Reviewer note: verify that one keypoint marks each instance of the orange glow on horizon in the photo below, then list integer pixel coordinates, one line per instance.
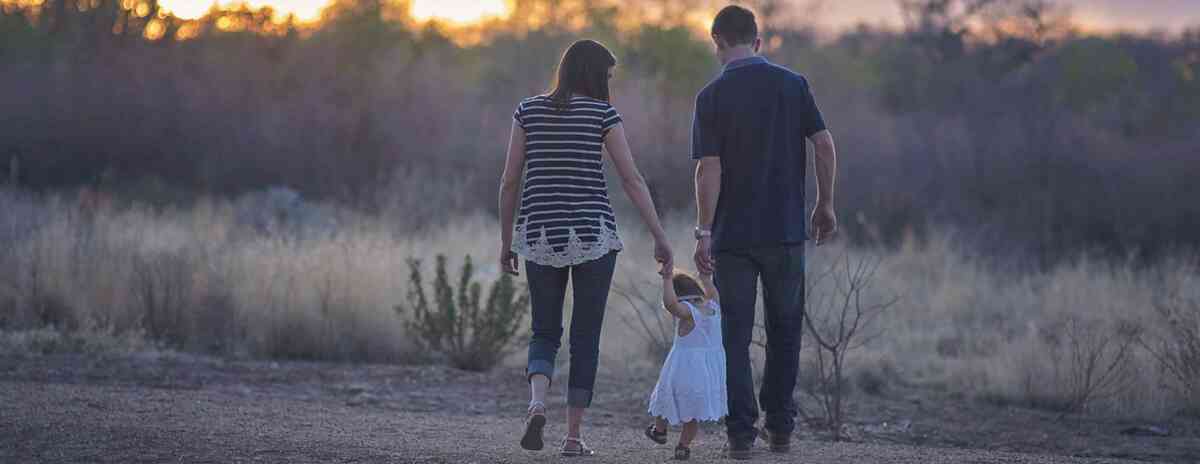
(453, 11)
(458, 11)
(304, 10)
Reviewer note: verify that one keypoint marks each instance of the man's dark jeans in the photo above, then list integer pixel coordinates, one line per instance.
(737, 274)
(547, 289)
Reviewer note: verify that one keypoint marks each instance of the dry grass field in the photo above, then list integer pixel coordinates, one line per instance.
(268, 276)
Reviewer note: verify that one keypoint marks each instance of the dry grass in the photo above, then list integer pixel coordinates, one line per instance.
(208, 279)
(203, 279)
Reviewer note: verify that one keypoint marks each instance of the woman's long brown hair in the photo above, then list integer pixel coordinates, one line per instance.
(583, 70)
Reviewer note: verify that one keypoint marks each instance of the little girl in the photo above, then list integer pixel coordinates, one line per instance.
(691, 385)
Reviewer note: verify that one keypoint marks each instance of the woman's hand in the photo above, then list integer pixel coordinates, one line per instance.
(509, 261)
(664, 256)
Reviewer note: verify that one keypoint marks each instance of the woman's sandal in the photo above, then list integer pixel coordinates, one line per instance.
(583, 450)
(682, 453)
(535, 422)
(655, 435)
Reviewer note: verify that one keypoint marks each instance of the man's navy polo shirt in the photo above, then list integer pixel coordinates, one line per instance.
(756, 116)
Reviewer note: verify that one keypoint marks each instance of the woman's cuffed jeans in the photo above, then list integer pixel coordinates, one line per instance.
(590, 283)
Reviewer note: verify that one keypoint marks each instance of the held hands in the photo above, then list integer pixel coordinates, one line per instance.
(704, 259)
(664, 257)
(824, 224)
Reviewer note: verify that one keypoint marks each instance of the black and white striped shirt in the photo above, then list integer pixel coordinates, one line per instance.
(565, 217)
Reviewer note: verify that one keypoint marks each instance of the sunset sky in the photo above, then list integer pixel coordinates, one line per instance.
(1103, 14)
(1100, 14)
(453, 10)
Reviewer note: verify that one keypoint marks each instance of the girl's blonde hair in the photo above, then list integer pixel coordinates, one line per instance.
(686, 286)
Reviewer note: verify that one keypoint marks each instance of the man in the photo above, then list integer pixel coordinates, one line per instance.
(749, 137)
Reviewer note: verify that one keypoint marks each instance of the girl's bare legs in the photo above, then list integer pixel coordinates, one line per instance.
(689, 432)
(660, 425)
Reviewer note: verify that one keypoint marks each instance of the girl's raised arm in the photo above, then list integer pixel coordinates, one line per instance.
(671, 300)
(710, 288)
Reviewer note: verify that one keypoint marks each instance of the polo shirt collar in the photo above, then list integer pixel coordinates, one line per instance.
(753, 60)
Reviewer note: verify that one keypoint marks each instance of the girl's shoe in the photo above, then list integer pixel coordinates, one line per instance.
(682, 453)
(655, 435)
(535, 422)
(580, 450)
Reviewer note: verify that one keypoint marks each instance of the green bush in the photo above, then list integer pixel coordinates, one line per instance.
(456, 327)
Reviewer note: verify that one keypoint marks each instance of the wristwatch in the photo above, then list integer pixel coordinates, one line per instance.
(702, 233)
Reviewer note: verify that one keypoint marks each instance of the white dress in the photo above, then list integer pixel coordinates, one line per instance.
(691, 385)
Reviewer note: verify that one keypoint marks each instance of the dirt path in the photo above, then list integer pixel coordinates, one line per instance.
(74, 409)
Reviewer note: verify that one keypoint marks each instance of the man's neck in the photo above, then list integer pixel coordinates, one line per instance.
(739, 52)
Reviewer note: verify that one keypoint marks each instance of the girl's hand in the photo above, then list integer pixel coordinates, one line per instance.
(509, 262)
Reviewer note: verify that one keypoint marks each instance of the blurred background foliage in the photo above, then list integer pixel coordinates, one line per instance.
(999, 119)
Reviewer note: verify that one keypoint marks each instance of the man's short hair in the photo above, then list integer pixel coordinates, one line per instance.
(735, 25)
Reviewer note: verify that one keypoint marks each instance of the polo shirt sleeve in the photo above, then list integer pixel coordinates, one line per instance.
(704, 131)
(811, 120)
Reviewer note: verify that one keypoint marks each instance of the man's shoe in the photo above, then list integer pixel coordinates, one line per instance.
(777, 442)
(738, 449)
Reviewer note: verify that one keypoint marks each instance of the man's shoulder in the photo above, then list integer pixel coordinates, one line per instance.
(709, 88)
(789, 74)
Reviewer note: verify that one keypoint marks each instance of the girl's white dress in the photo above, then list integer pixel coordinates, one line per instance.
(691, 385)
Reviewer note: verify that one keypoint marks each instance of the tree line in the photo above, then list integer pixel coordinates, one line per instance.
(998, 119)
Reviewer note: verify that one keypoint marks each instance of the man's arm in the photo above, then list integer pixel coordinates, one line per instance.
(824, 219)
(708, 189)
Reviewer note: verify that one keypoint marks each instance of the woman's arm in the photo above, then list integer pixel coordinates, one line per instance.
(671, 300)
(510, 186)
(710, 288)
(635, 186)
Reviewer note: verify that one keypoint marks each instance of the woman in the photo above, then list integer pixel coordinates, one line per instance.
(566, 228)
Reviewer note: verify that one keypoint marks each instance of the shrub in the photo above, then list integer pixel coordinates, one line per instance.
(1177, 349)
(456, 326)
(162, 288)
(874, 379)
(1088, 360)
(839, 316)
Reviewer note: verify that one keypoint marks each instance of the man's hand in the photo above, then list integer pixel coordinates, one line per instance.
(824, 224)
(704, 259)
